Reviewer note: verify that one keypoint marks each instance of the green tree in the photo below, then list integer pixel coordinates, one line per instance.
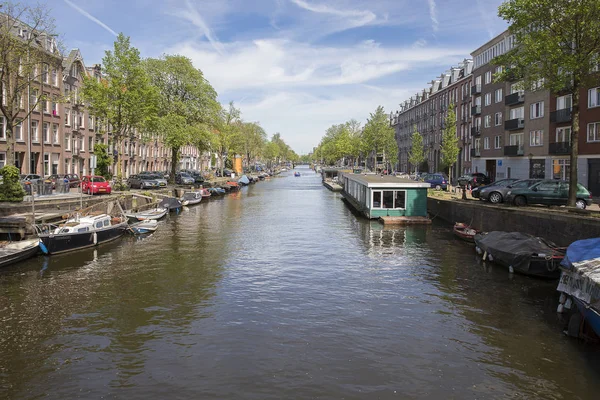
(416, 155)
(226, 128)
(378, 136)
(124, 99)
(187, 104)
(252, 139)
(449, 150)
(27, 51)
(558, 45)
(103, 159)
(10, 187)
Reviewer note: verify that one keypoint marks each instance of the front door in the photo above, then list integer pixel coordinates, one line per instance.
(490, 169)
(594, 177)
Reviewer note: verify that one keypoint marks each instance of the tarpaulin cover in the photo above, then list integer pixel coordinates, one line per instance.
(244, 180)
(513, 248)
(581, 271)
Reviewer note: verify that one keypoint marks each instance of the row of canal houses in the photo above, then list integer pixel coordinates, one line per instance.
(60, 134)
(503, 131)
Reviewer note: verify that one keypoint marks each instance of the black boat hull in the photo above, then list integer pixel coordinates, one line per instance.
(18, 256)
(63, 243)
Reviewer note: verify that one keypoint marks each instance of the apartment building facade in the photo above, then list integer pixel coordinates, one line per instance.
(427, 111)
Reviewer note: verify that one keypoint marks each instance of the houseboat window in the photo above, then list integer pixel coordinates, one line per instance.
(388, 199)
(106, 222)
(86, 229)
(400, 199)
(99, 224)
(376, 199)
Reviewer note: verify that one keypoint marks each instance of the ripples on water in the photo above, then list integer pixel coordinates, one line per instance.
(279, 291)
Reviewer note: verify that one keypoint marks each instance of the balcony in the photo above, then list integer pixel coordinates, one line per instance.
(514, 124)
(475, 153)
(476, 110)
(475, 89)
(515, 98)
(560, 116)
(476, 131)
(513, 150)
(559, 148)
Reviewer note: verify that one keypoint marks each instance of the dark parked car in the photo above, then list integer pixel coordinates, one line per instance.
(496, 192)
(183, 178)
(73, 179)
(549, 192)
(198, 178)
(474, 180)
(438, 180)
(142, 181)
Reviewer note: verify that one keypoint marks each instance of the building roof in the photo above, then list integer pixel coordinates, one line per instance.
(390, 181)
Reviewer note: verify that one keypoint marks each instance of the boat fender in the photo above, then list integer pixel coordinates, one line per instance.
(568, 303)
(95, 236)
(562, 298)
(477, 250)
(490, 257)
(560, 309)
(511, 269)
(484, 255)
(43, 247)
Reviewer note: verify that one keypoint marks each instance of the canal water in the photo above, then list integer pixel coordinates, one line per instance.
(280, 291)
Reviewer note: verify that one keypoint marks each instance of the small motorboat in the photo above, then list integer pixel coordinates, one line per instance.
(296, 173)
(207, 192)
(154, 214)
(215, 191)
(144, 227)
(13, 252)
(244, 180)
(191, 198)
(171, 204)
(520, 252)
(232, 185)
(465, 232)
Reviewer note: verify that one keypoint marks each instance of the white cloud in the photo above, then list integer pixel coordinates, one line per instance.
(433, 15)
(191, 14)
(90, 17)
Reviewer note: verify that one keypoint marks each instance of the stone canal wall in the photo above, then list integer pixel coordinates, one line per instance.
(560, 226)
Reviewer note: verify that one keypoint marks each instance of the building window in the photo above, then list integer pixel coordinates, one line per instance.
(497, 142)
(488, 77)
(46, 104)
(34, 131)
(536, 138)
(33, 98)
(46, 132)
(68, 117)
(498, 119)
(2, 159)
(537, 110)
(19, 131)
(54, 77)
(487, 121)
(68, 142)
(594, 97)
(498, 95)
(55, 133)
(518, 112)
(488, 99)
(2, 128)
(563, 135)
(564, 102)
(389, 199)
(593, 132)
(486, 143)
(91, 144)
(516, 139)
(499, 70)
(45, 73)
(561, 168)
(537, 169)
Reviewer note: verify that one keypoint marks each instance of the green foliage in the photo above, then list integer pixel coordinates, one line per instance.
(449, 150)
(103, 160)
(557, 44)
(416, 156)
(10, 188)
(378, 136)
(124, 98)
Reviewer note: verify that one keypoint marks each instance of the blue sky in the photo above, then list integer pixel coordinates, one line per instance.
(295, 66)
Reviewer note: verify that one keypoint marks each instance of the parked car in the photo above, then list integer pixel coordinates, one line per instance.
(549, 192)
(95, 185)
(142, 181)
(198, 178)
(183, 178)
(162, 182)
(73, 179)
(29, 178)
(496, 192)
(474, 180)
(437, 180)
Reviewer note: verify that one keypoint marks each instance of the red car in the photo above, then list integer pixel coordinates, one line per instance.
(95, 185)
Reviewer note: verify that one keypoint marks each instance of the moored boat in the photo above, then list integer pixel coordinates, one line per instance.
(13, 252)
(522, 253)
(580, 286)
(207, 192)
(296, 173)
(465, 232)
(80, 232)
(171, 204)
(154, 214)
(143, 227)
(192, 198)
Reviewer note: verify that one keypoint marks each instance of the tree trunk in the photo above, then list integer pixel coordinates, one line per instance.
(174, 162)
(574, 147)
(10, 143)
